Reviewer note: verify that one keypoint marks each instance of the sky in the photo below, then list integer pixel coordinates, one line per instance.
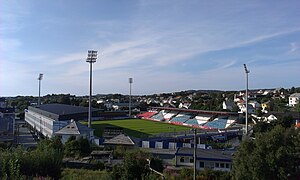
(164, 45)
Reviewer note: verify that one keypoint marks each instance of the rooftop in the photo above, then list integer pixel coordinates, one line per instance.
(64, 109)
(74, 128)
(206, 153)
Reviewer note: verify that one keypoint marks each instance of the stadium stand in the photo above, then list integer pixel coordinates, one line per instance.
(217, 123)
(169, 115)
(202, 118)
(146, 114)
(181, 118)
(192, 122)
(158, 117)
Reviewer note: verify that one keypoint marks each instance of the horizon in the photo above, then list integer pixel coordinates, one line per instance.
(96, 94)
(165, 46)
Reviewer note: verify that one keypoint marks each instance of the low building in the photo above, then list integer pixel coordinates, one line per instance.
(294, 99)
(50, 118)
(75, 129)
(7, 124)
(206, 159)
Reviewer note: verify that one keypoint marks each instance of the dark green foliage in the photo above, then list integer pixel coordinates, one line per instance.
(84, 174)
(135, 164)
(45, 161)
(157, 164)
(77, 148)
(272, 155)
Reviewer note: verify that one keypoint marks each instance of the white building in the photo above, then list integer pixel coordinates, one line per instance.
(294, 99)
(50, 118)
(76, 130)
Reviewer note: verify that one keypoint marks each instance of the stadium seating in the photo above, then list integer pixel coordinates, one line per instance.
(217, 123)
(169, 115)
(159, 116)
(202, 119)
(181, 117)
(146, 114)
(192, 122)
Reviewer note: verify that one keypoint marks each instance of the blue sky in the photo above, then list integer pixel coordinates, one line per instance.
(164, 45)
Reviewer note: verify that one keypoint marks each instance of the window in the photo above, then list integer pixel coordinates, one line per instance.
(191, 160)
(217, 165)
(201, 164)
(182, 159)
(227, 165)
(222, 165)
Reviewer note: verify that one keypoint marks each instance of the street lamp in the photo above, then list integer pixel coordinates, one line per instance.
(92, 56)
(247, 72)
(40, 79)
(130, 82)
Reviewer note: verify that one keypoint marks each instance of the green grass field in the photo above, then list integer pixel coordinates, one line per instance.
(137, 127)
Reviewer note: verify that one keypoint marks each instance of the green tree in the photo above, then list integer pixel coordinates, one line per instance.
(272, 155)
(135, 164)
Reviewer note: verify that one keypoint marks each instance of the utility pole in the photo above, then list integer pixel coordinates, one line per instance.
(247, 72)
(92, 56)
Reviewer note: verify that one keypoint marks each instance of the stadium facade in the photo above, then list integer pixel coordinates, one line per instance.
(50, 118)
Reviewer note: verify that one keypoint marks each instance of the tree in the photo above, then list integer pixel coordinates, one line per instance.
(272, 155)
(135, 164)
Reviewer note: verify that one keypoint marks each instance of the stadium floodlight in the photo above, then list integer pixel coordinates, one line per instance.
(247, 72)
(40, 79)
(92, 56)
(130, 82)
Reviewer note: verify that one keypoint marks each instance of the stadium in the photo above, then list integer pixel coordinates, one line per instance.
(192, 118)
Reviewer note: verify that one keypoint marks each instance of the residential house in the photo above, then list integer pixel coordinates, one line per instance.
(294, 99)
(228, 105)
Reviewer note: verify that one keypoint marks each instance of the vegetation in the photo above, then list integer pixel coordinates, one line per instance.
(45, 161)
(80, 174)
(273, 154)
(137, 127)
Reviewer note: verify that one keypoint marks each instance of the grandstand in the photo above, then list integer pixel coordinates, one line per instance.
(158, 116)
(181, 117)
(169, 115)
(194, 118)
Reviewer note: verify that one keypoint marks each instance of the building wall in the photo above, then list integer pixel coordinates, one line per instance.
(43, 124)
(203, 164)
(293, 101)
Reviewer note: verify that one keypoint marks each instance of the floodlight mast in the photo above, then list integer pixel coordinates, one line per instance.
(247, 72)
(130, 82)
(40, 79)
(92, 57)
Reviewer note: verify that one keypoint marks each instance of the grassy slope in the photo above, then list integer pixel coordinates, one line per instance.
(137, 127)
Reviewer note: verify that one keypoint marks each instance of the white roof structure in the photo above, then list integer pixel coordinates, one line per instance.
(74, 128)
(120, 139)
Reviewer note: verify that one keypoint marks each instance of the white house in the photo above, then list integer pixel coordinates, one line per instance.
(294, 99)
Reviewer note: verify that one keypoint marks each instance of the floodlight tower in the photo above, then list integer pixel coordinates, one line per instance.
(130, 82)
(247, 72)
(40, 79)
(92, 56)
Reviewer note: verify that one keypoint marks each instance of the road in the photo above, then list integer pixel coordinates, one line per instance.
(25, 138)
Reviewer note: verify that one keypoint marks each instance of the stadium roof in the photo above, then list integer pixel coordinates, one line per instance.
(196, 111)
(64, 109)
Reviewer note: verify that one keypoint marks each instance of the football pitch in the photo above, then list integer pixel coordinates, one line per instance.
(137, 127)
